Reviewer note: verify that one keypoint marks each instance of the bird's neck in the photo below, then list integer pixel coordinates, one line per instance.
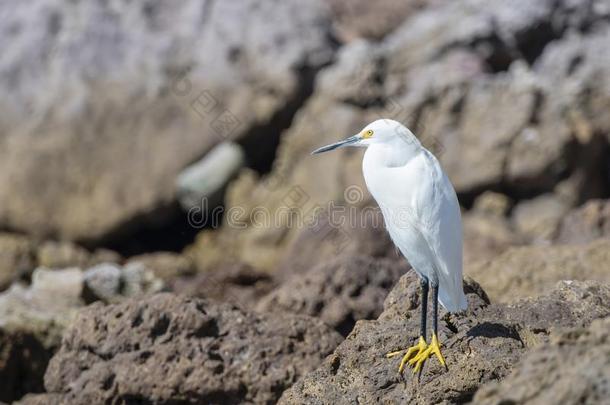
(393, 154)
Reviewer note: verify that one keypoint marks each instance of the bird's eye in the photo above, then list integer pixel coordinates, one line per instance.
(367, 134)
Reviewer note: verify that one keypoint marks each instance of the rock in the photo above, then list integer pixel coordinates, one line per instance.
(481, 83)
(539, 218)
(110, 282)
(587, 223)
(138, 280)
(574, 368)
(151, 88)
(486, 236)
(480, 345)
(64, 254)
(32, 321)
(194, 351)
(533, 270)
(103, 282)
(354, 19)
(16, 258)
(237, 284)
(492, 203)
(166, 265)
(201, 184)
(339, 292)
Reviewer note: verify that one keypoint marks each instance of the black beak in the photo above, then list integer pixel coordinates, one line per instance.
(340, 144)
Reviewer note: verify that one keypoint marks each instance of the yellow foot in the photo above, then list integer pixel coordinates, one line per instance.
(412, 353)
(422, 356)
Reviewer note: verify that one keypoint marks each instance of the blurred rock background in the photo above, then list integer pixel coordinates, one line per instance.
(152, 146)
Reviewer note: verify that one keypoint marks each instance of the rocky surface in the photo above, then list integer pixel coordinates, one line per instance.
(339, 292)
(204, 182)
(213, 70)
(166, 265)
(194, 351)
(529, 271)
(480, 345)
(574, 368)
(33, 318)
(16, 258)
(353, 19)
(538, 219)
(235, 284)
(32, 321)
(587, 223)
(500, 92)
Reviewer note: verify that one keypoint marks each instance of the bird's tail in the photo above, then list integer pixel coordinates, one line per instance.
(453, 299)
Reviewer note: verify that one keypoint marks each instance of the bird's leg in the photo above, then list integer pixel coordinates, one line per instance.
(434, 347)
(414, 351)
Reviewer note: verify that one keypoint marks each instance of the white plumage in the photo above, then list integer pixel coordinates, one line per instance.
(418, 202)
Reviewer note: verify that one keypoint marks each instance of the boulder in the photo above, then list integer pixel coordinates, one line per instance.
(353, 19)
(32, 321)
(63, 254)
(236, 284)
(339, 292)
(539, 218)
(480, 345)
(166, 265)
(526, 271)
(131, 93)
(573, 368)
(16, 258)
(200, 185)
(193, 351)
(110, 282)
(586, 223)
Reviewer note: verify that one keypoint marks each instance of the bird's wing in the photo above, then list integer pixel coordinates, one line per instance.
(438, 212)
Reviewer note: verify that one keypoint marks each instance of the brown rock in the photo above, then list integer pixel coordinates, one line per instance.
(480, 345)
(64, 254)
(574, 368)
(360, 18)
(486, 236)
(587, 223)
(166, 265)
(236, 284)
(539, 218)
(193, 351)
(143, 80)
(339, 292)
(533, 270)
(16, 258)
(32, 321)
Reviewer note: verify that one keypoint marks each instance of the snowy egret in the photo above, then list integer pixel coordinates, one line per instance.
(422, 216)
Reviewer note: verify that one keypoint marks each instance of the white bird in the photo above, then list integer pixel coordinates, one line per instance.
(422, 216)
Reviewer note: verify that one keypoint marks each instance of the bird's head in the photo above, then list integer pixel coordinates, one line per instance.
(382, 131)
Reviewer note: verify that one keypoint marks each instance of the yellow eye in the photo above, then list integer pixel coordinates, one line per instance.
(367, 134)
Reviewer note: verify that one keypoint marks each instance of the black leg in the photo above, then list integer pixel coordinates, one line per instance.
(424, 305)
(435, 309)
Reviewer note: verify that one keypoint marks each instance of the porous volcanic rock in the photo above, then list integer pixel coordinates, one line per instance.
(174, 349)
(526, 271)
(339, 292)
(573, 368)
(480, 345)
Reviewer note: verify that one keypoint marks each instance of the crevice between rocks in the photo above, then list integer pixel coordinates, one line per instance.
(167, 227)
